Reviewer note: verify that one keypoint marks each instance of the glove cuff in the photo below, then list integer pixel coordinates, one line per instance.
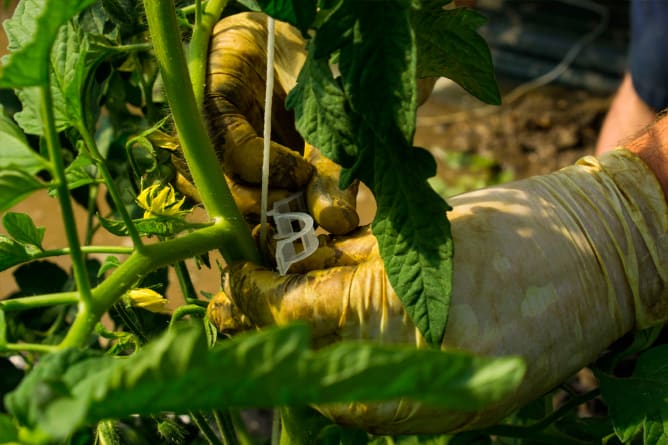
(640, 206)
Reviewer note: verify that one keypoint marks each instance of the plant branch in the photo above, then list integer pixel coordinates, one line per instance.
(199, 153)
(25, 303)
(53, 147)
(134, 268)
(111, 185)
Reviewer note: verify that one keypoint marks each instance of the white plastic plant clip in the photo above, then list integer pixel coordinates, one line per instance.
(296, 236)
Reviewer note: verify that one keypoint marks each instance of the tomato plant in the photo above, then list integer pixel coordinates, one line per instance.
(91, 124)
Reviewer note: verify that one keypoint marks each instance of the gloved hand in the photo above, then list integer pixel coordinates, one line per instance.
(234, 110)
(553, 268)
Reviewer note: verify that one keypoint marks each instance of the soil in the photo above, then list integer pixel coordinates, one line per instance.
(537, 133)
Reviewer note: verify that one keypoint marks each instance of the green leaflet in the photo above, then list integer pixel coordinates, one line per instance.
(70, 59)
(321, 113)
(299, 13)
(177, 372)
(8, 432)
(449, 46)
(365, 121)
(414, 238)
(12, 253)
(15, 151)
(31, 32)
(160, 226)
(378, 66)
(15, 185)
(638, 403)
(21, 227)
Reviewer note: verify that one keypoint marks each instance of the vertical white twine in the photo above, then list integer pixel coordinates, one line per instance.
(268, 94)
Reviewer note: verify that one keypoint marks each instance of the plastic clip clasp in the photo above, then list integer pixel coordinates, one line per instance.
(296, 237)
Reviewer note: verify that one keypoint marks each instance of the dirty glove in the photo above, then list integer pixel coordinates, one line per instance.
(552, 268)
(234, 110)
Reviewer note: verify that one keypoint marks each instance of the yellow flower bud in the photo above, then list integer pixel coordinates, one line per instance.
(147, 299)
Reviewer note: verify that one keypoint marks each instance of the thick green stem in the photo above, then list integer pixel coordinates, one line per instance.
(94, 153)
(53, 147)
(134, 268)
(199, 46)
(199, 153)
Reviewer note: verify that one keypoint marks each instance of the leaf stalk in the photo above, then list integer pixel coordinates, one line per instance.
(58, 167)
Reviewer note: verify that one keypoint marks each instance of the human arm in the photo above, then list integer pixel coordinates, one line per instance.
(553, 268)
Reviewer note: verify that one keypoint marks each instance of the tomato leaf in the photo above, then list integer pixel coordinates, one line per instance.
(378, 69)
(638, 403)
(178, 372)
(12, 253)
(21, 227)
(16, 152)
(71, 61)
(414, 238)
(321, 114)
(449, 46)
(15, 185)
(299, 13)
(365, 121)
(8, 431)
(161, 226)
(31, 32)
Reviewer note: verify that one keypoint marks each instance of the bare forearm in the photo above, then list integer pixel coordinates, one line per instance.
(651, 145)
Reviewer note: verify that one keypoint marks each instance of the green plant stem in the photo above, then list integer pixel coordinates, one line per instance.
(32, 347)
(25, 303)
(94, 153)
(78, 261)
(118, 250)
(226, 426)
(186, 285)
(199, 45)
(199, 153)
(205, 429)
(134, 268)
(183, 311)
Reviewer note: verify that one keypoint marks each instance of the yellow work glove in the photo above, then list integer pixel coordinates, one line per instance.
(553, 268)
(234, 110)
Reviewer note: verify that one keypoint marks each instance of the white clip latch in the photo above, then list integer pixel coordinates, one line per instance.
(296, 237)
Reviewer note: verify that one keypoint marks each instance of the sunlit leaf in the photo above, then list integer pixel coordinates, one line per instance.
(11, 253)
(637, 404)
(177, 372)
(449, 46)
(31, 32)
(21, 227)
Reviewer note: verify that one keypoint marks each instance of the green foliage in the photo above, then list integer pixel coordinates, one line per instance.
(21, 227)
(177, 372)
(381, 48)
(637, 404)
(87, 55)
(32, 31)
